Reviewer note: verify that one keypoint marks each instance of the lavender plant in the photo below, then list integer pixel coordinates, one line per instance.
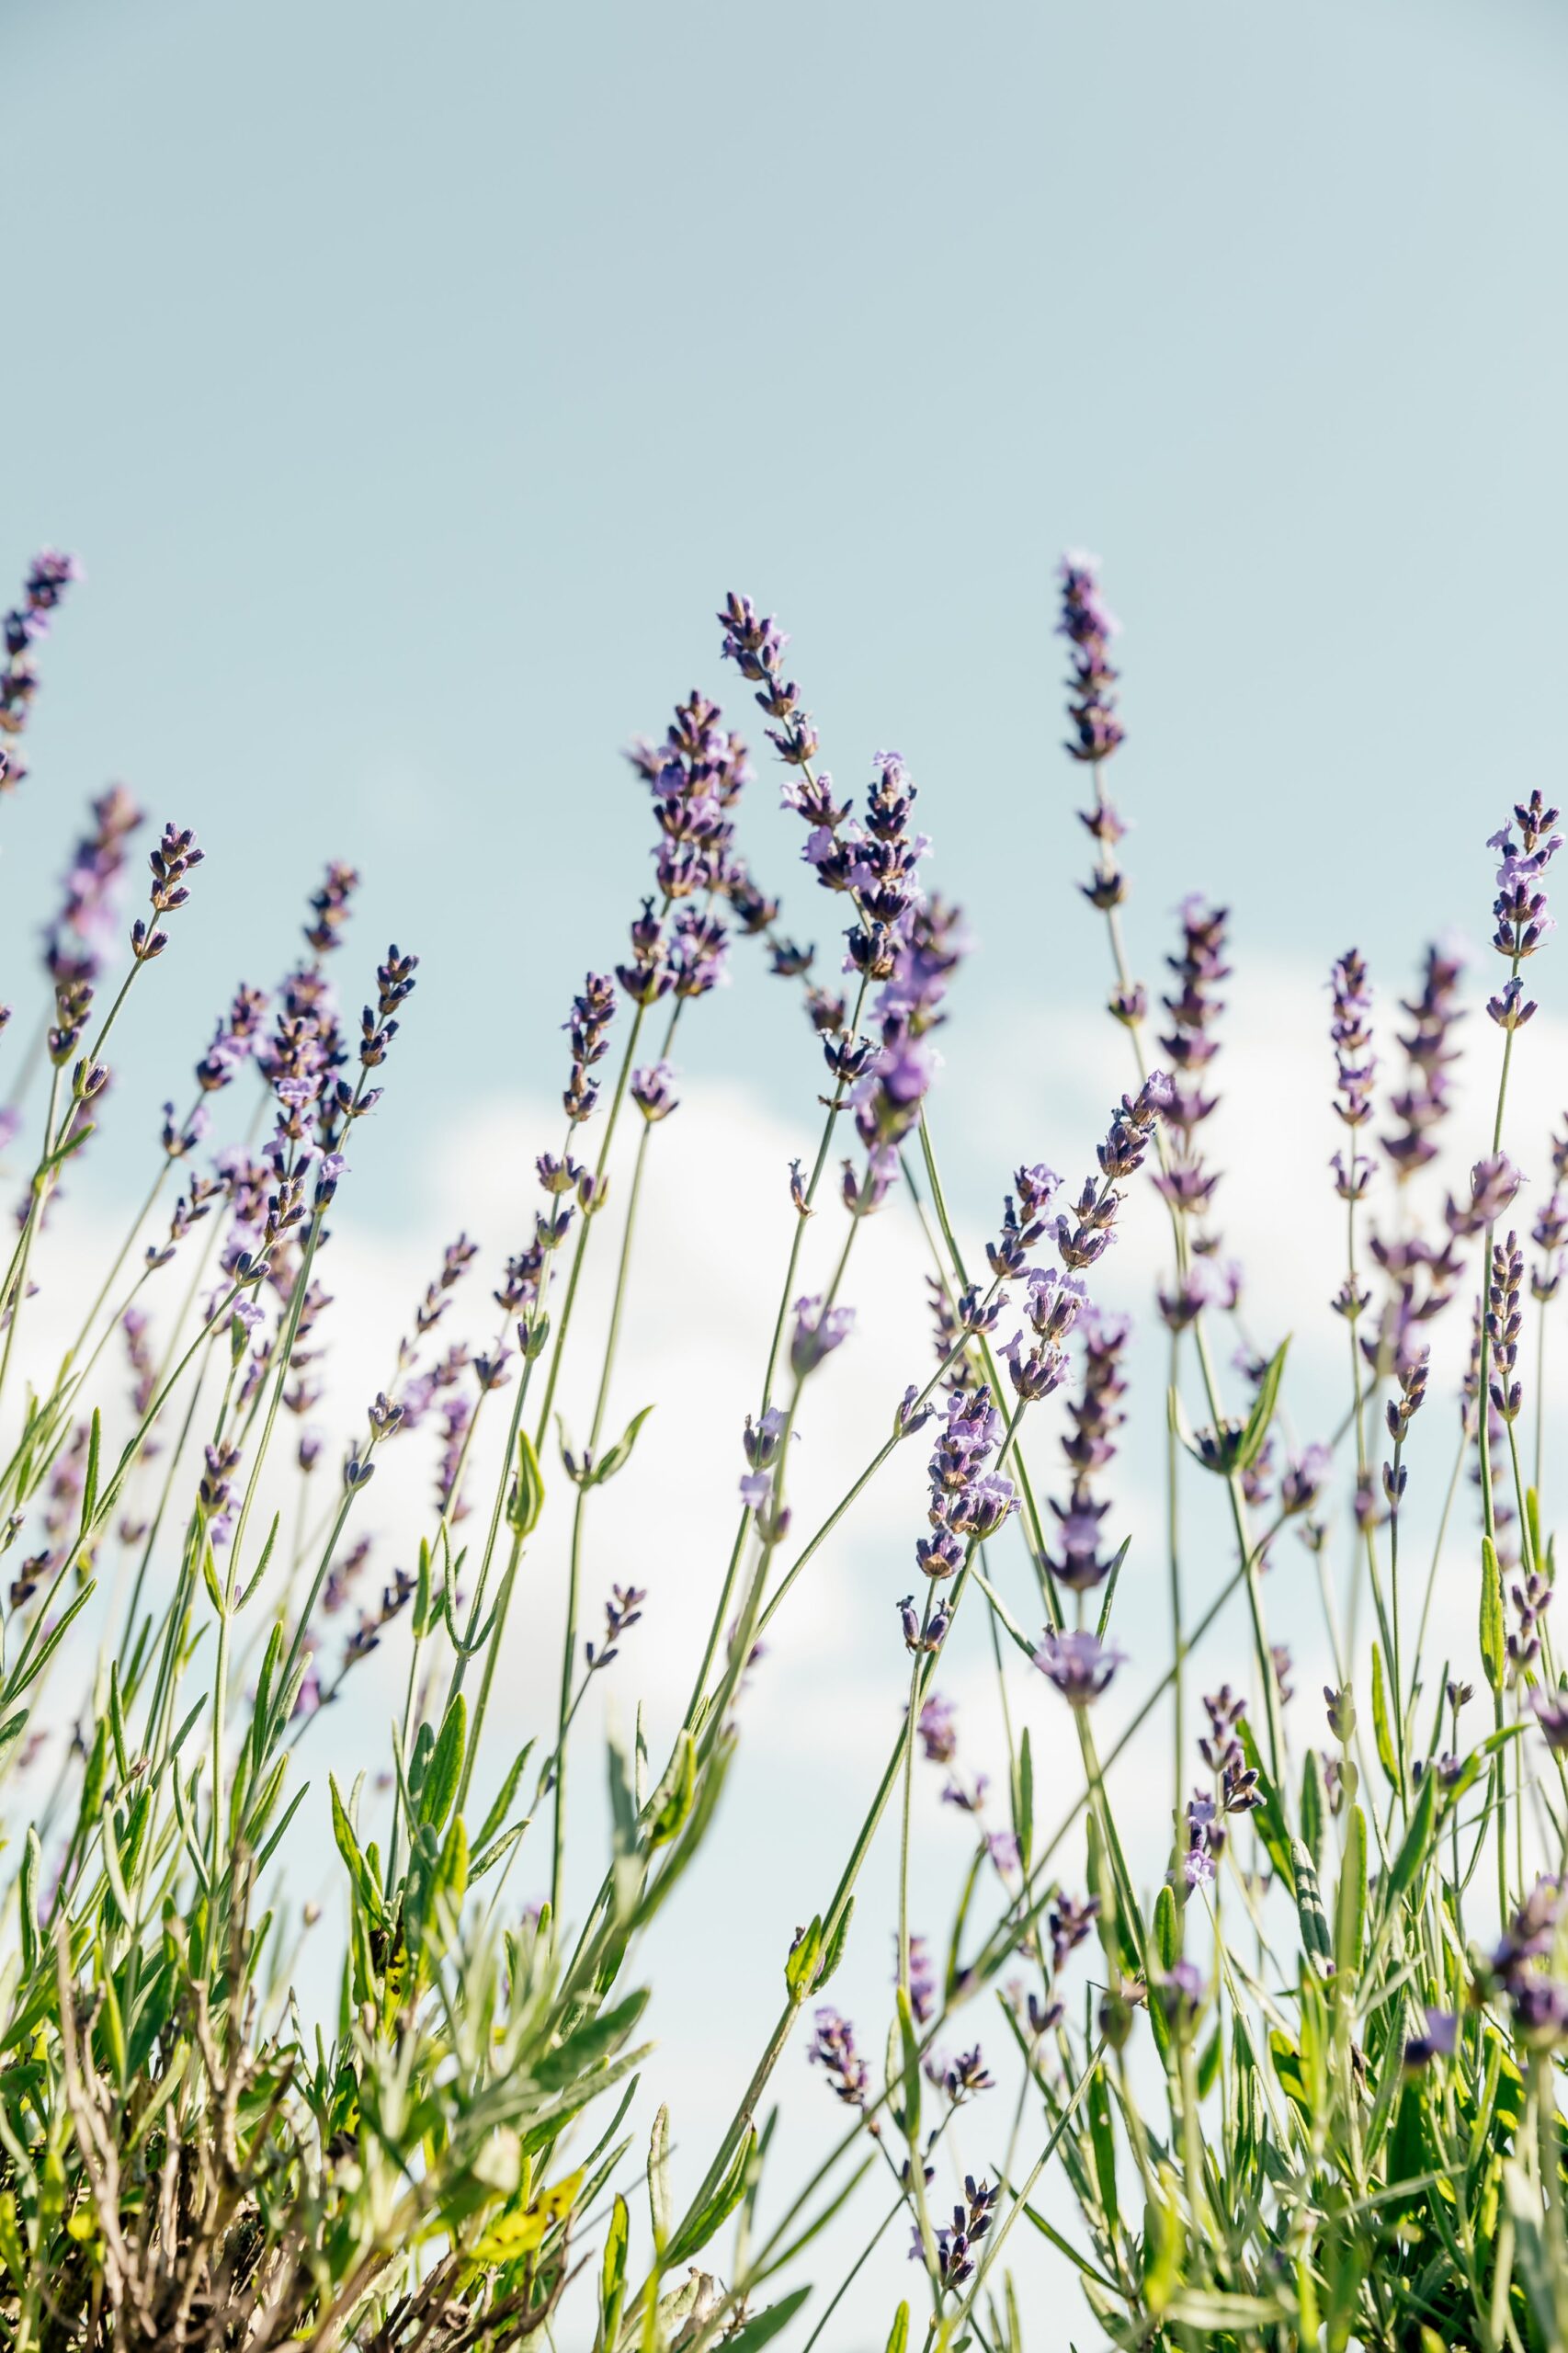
(1285, 2072)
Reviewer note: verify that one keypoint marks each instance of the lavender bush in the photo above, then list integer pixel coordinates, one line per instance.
(1301, 2088)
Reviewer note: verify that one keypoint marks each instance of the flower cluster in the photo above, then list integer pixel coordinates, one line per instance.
(1504, 1321)
(1505, 1516)
(1089, 1446)
(1531, 1596)
(1088, 1231)
(1423, 1100)
(756, 643)
(1521, 1964)
(623, 1610)
(833, 2049)
(893, 1072)
(1350, 1034)
(1190, 1045)
(593, 1009)
(49, 576)
(696, 776)
(1519, 908)
(1549, 1231)
(1089, 627)
(956, 2243)
(85, 925)
(1235, 1787)
(969, 1499)
(173, 859)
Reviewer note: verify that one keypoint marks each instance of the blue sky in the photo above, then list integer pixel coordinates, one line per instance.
(414, 385)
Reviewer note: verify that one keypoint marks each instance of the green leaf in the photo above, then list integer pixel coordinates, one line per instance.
(262, 1566)
(1255, 1430)
(1209, 2064)
(492, 1825)
(694, 2235)
(90, 1479)
(1350, 1907)
(800, 1968)
(420, 1620)
(615, 1458)
(1309, 1907)
(12, 1730)
(1103, 2142)
(115, 1873)
(1023, 1798)
(1381, 1729)
(1419, 1837)
(117, 1725)
(32, 1871)
(1166, 1929)
(898, 2338)
(764, 2326)
(909, 2045)
(612, 2274)
(209, 1579)
(50, 1644)
(671, 1801)
(659, 2179)
(349, 1847)
(589, 2043)
(833, 1950)
(439, 1785)
(488, 1856)
(1494, 1643)
(1163, 2241)
(526, 1499)
(1314, 1811)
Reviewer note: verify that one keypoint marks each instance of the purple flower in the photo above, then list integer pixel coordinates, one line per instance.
(1034, 1374)
(761, 1439)
(592, 1011)
(1521, 904)
(48, 576)
(1422, 1101)
(1504, 1321)
(921, 1981)
(652, 1091)
(1181, 1992)
(911, 1415)
(1069, 1924)
(1096, 1415)
(818, 1331)
(77, 940)
(1552, 1714)
(623, 1610)
(1002, 1846)
(1493, 1185)
(1350, 1034)
(1055, 1301)
(917, 1637)
(1080, 1665)
(979, 1509)
(1088, 628)
(833, 2049)
(937, 1733)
